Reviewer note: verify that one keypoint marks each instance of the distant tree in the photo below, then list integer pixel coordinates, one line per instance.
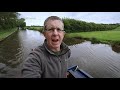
(21, 23)
(10, 20)
(72, 25)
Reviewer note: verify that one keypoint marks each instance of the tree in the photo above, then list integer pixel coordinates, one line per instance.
(21, 23)
(10, 20)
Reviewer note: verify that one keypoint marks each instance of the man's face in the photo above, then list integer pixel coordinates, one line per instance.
(53, 33)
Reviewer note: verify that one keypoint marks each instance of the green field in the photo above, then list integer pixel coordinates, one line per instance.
(102, 36)
(38, 28)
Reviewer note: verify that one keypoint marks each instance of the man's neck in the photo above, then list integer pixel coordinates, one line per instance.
(55, 49)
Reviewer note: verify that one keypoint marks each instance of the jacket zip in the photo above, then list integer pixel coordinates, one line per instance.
(60, 69)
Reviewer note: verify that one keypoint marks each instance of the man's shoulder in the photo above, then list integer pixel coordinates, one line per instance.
(39, 50)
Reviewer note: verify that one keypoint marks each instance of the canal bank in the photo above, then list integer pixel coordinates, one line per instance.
(105, 37)
(4, 35)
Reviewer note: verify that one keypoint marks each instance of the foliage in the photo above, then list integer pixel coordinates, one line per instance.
(72, 25)
(10, 20)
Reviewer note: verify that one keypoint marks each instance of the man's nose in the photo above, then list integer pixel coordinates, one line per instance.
(55, 32)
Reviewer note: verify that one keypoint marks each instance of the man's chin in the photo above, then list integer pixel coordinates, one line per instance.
(56, 46)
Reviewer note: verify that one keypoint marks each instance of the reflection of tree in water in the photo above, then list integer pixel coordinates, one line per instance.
(73, 41)
(116, 48)
(9, 51)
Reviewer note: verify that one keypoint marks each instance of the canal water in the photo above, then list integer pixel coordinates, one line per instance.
(99, 60)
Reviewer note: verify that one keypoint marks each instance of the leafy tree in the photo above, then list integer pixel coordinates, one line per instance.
(10, 20)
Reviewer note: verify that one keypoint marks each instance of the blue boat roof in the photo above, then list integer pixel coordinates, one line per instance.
(78, 73)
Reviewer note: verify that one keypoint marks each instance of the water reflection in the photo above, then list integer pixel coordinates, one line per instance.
(29, 40)
(97, 59)
(77, 40)
(8, 50)
(116, 48)
(15, 49)
(73, 41)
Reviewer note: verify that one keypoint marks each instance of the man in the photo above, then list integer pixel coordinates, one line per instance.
(49, 59)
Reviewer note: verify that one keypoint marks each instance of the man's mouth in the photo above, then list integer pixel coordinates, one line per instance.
(55, 40)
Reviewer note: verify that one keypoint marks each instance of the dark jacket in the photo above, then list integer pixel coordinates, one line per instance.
(43, 63)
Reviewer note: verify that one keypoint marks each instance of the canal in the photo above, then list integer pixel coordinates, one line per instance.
(99, 60)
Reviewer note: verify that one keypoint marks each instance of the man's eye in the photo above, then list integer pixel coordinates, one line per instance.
(59, 29)
(50, 29)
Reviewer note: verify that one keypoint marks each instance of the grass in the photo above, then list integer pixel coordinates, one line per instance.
(38, 28)
(101, 35)
(112, 36)
(6, 33)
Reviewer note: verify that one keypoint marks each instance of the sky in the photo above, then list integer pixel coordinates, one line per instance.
(37, 18)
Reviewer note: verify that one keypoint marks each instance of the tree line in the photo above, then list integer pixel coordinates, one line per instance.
(10, 20)
(72, 25)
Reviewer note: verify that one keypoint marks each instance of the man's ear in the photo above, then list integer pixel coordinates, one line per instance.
(43, 33)
(64, 32)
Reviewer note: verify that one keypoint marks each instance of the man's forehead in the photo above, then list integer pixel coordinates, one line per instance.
(54, 23)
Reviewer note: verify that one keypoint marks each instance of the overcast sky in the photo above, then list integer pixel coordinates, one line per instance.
(37, 18)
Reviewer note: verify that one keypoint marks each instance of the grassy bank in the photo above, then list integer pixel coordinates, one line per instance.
(6, 33)
(109, 37)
